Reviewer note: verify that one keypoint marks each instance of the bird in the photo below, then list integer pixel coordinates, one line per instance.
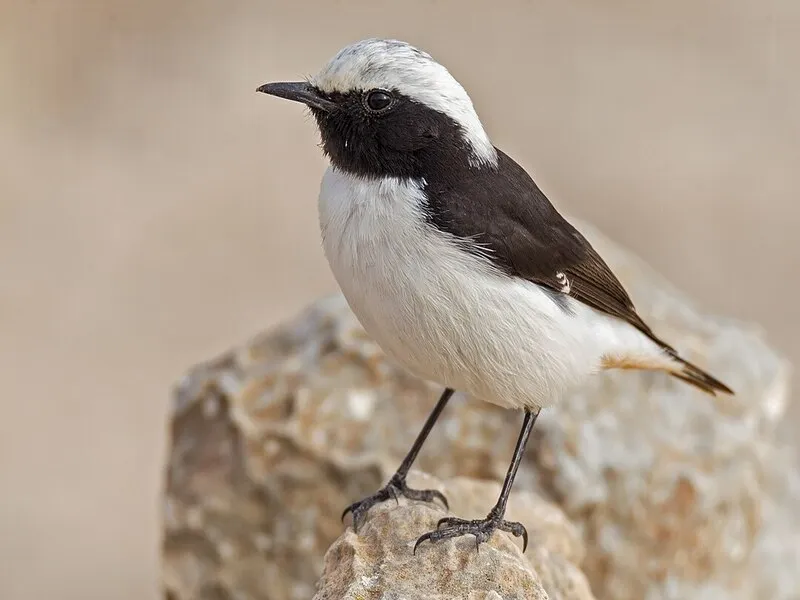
(455, 262)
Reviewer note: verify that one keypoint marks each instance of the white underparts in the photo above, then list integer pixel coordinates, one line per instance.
(448, 315)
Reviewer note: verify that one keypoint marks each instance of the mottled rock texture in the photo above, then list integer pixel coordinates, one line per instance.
(673, 494)
(378, 562)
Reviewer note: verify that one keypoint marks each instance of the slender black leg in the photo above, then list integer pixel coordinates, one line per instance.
(482, 529)
(397, 484)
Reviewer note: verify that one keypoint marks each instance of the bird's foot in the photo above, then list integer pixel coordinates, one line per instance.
(394, 489)
(482, 529)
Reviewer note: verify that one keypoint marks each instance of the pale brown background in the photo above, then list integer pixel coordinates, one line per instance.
(154, 209)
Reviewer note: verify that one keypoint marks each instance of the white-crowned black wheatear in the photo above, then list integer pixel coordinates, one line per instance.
(453, 259)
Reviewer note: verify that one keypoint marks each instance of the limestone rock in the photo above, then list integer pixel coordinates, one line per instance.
(271, 441)
(378, 562)
(675, 494)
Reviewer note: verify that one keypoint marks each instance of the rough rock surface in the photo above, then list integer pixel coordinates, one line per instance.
(378, 562)
(675, 494)
(678, 495)
(271, 441)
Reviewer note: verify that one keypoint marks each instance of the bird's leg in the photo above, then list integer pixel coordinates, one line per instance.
(482, 529)
(397, 484)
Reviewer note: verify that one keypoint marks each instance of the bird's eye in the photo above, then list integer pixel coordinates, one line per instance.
(378, 100)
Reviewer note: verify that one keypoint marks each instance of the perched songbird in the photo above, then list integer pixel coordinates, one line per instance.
(453, 259)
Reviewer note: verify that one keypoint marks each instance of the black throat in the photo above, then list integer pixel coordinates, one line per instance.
(412, 141)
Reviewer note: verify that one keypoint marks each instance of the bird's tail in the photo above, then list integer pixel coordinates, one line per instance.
(695, 376)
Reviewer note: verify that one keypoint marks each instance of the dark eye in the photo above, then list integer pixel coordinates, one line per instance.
(378, 100)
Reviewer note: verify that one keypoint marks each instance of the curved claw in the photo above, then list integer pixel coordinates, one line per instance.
(423, 495)
(420, 539)
(518, 529)
(442, 499)
(481, 529)
(394, 489)
(345, 511)
(354, 510)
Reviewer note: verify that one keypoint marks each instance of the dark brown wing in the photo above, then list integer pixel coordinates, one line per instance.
(513, 224)
(519, 230)
(574, 269)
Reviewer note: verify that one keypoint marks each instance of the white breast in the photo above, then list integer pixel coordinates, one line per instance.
(446, 315)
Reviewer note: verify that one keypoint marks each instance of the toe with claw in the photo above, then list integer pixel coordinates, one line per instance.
(482, 529)
(396, 487)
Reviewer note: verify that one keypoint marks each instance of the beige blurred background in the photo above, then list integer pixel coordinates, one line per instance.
(155, 210)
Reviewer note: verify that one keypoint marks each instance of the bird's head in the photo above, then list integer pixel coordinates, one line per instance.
(385, 108)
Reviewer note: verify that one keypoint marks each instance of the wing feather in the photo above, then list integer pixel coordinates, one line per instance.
(515, 226)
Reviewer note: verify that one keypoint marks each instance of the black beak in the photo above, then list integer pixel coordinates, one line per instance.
(299, 91)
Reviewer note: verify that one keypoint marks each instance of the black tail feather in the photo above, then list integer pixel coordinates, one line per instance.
(697, 377)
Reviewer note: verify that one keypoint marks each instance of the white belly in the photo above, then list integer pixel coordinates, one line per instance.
(445, 315)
